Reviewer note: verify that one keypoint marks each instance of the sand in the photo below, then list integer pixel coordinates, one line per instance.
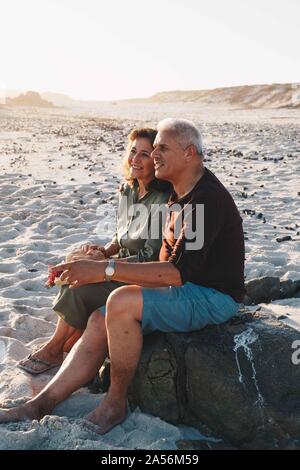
(59, 170)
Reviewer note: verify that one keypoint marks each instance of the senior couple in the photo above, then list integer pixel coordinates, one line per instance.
(168, 285)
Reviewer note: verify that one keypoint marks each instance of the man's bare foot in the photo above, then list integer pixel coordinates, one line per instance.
(28, 411)
(107, 415)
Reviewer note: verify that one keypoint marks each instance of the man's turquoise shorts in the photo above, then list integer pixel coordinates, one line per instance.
(184, 308)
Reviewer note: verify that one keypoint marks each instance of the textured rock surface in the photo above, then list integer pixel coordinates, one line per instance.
(236, 379)
(267, 288)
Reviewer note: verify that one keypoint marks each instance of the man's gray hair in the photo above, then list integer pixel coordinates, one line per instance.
(185, 131)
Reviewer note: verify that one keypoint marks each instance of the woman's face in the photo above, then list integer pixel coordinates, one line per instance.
(140, 161)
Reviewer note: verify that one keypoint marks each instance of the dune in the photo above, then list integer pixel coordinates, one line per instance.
(248, 96)
(30, 98)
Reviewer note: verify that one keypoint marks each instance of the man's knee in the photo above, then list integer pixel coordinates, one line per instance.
(123, 302)
(117, 300)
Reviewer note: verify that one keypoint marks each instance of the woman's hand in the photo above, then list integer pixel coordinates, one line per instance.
(87, 251)
(96, 255)
(79, 273)
(85, 248)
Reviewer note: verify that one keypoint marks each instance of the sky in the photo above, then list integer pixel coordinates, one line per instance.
(118, 49)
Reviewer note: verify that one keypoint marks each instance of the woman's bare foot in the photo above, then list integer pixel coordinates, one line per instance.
(107, 415)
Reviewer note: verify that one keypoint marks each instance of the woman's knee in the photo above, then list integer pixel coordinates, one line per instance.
(96, 320)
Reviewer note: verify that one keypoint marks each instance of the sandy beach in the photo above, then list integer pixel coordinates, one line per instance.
(59, 172)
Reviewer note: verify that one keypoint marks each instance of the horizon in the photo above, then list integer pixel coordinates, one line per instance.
(93, 51)
(42, 92)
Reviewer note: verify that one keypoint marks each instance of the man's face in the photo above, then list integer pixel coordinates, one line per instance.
(168, 156)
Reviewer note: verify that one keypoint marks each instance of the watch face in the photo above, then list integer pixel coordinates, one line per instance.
(109, 271)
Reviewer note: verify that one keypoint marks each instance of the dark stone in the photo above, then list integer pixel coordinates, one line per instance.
(186, 444)
(297, 284)
(263, 289)
(283, 239)
(247, 300)
(249, 211)
(236, 380)
(288, 288)
(156, 378)
(94, 386)
(104, 376)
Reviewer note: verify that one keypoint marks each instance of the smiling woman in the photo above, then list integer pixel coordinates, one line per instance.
(138, 164)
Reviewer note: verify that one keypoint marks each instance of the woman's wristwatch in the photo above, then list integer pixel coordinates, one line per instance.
(109, 270)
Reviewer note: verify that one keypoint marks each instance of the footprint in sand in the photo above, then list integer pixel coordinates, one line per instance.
(8, 268)
(2, 350)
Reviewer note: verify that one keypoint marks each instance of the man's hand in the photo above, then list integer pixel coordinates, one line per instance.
(79, 273)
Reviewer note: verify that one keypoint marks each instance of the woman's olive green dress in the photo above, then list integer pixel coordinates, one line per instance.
(75, 306)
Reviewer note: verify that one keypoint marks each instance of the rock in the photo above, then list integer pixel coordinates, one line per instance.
(263, 289)
(156, 379)
(247, 300)
(94, 386)
(104, 376)
(236, 380)
(120, 147)
(283, 239)
(185, 444)
(288, 288)
(30, 98)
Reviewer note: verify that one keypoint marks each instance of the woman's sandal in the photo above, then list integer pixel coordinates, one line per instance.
(47, 365)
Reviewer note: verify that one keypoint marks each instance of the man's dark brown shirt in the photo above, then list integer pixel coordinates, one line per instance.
(220, 262)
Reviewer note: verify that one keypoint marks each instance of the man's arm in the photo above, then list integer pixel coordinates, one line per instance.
(152, 274)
